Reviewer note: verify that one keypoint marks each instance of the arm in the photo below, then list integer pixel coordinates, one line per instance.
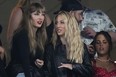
(21, 44)
(14, 22)
(113, 36)
(47, 60)
(84, 69)
(109, 27)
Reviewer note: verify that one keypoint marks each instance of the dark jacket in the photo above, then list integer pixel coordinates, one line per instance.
(2, 69)
(54, 57)
(2, 64)
(22, 60)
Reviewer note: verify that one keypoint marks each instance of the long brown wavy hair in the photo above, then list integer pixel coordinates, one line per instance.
(38, 39)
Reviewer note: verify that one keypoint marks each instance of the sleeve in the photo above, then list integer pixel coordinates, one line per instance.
(2, 69)
(84, 69)
(47, 61)
(22, 44)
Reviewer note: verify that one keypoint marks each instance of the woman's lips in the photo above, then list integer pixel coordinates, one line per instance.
(39, 22)
(58, 30)
(101, 48)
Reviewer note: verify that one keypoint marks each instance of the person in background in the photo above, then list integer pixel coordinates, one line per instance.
(66, 55)
(2, 58)
(28, 44)
(16, 18)
(103, 65)
(90, 21)
(95, 21)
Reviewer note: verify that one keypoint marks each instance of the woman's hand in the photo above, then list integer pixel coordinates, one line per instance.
(89, 32)
(69, 66)
(91, 49)
(2, 52)
(39, 63)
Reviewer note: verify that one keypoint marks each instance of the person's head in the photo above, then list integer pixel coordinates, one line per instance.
(102, 43)
(36, 25)
(66, 27)
(74, 7)
(36, 15)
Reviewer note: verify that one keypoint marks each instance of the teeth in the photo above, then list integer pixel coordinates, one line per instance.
(39, 22)
(59, 30)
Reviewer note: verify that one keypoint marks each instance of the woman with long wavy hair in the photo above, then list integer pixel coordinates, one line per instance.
(66, 56)
(17, 17)
(28, 44)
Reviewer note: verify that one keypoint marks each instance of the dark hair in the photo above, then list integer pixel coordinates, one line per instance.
(106, 35)
(70, 5)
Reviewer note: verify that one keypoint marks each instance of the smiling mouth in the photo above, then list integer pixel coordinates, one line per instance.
(58, 30)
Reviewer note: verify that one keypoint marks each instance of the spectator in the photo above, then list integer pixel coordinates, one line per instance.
(28, 44)
(67, 55)
(103, 65)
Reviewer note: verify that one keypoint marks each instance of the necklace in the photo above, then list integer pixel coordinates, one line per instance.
(103, 60)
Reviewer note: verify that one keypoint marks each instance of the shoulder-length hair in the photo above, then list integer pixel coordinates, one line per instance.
(72, 37)
(107, 36)
(38, 39)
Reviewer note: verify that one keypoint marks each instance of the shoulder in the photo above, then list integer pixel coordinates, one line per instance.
(22, 34)
(17, 11)
(95, 13)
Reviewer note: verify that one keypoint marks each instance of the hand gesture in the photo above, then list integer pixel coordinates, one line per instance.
(39, 63)
(69, 66)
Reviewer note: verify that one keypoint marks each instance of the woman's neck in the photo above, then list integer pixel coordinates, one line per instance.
(63, 40)
(104, 58)
(34, 30)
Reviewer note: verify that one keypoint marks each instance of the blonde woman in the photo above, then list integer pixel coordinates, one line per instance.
(28, 44)
(67, 56)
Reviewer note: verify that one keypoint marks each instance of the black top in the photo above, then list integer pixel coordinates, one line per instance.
(20, 52)
(49, 31)
(2, 64)
(54, 57)
(2, 69)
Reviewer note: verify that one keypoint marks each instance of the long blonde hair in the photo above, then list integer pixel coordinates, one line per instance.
(72, 37)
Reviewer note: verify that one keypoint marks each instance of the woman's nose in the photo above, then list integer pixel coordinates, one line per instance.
(101, 44)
